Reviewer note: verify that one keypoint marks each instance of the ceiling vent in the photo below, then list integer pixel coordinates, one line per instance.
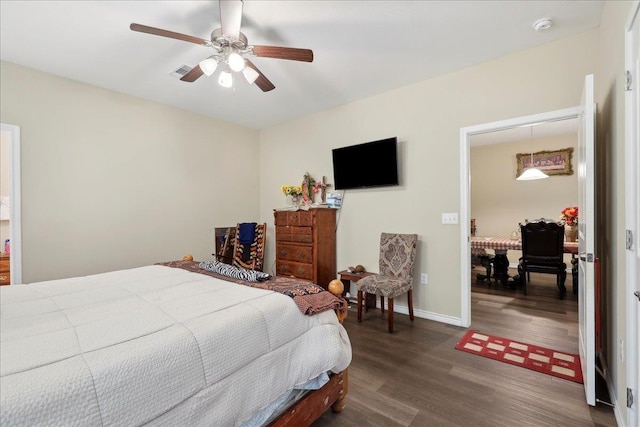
(180, 72)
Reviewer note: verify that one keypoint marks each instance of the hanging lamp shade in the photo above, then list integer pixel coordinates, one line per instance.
(532, 174)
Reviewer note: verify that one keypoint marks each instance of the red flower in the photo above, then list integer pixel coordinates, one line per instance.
(569, 215)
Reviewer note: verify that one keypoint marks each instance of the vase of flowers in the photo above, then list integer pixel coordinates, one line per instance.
(569, 217)
(293, 194)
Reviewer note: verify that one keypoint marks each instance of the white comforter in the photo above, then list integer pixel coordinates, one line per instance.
(155, 345)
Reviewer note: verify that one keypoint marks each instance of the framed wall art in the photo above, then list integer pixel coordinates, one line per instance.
(557, 162)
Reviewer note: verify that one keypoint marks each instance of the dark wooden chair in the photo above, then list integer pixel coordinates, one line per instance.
(542, 252)
(248, 248)
(395, 278)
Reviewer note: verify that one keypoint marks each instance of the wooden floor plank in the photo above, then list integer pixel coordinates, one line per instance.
(415, 377)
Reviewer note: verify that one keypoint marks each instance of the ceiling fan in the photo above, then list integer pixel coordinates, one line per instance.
(230, 49)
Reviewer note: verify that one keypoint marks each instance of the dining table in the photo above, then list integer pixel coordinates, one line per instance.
(501, 245)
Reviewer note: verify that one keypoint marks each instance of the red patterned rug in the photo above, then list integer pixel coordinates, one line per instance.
(550, 362)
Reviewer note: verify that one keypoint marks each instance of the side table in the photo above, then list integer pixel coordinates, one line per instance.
(346, 277)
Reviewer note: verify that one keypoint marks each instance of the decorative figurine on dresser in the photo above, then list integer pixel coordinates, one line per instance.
(306, 244)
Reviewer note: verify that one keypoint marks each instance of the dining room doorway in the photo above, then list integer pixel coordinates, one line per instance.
(10, 139)
(586, 113)
(498, 204)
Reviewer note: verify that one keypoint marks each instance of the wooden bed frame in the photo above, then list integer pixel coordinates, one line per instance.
(308, 409)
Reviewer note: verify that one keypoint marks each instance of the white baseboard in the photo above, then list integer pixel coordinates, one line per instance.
(423, 314)
(612, 392)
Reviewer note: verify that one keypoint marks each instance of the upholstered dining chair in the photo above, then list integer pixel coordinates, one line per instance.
(543, 252)
(248, 249)
(395, 277)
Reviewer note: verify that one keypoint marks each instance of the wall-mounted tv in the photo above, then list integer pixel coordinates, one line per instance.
(372, 164)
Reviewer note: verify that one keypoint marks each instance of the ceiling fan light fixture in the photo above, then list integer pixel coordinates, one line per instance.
(235, 61)
(208, 66)
(225, 79)
(250, 74)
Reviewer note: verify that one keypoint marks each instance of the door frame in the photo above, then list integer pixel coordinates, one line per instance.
(632, 218)
(15, 211)
(465, 194)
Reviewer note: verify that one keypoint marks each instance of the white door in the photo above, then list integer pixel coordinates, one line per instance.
(632, 209)
(586, 238)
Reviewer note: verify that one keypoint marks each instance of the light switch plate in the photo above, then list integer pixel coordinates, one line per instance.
(450, 218)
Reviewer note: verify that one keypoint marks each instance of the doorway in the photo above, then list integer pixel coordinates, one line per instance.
(586, 260)
(465, 190)
(498, 204)
(10, 135)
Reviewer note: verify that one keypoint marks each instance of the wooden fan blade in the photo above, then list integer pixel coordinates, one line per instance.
(262, 81)
(292, 53)
(170, 34)
(193, 75)
(230, 18)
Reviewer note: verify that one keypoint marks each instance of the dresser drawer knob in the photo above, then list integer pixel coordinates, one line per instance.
(4, 277)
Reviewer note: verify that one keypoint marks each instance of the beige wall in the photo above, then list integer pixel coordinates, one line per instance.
(426, 118)
(499, 202)
(111, 181)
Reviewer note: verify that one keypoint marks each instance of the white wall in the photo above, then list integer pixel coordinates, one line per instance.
(111, 181)
(426, 117)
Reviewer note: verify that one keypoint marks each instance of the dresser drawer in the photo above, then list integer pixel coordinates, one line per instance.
(294, 218)
(297, 253)
(287, 233)
(297, 269)
(5, 278)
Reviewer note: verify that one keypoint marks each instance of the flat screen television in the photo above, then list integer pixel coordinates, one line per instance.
(372, 164)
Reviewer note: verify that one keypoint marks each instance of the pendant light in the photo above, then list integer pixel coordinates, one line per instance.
(532, 173)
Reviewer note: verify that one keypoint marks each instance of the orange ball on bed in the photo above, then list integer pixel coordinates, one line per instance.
(336, 287)
(188, 257)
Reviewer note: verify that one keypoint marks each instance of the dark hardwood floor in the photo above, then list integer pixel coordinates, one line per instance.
(415, 377)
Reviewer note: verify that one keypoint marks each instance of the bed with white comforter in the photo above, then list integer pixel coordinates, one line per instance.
(155, 345)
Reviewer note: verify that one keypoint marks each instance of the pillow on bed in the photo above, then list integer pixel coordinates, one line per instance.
(234, 272)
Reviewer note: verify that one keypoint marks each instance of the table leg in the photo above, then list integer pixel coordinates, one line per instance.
(347, 287)
(501, 267)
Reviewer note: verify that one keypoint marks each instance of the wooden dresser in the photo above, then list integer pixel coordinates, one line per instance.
(306, 244)
(5, 272)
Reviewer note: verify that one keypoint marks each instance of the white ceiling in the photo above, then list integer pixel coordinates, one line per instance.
(361, 48)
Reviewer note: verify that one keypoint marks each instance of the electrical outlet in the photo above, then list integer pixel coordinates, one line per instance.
(450, 218)
(423, 279)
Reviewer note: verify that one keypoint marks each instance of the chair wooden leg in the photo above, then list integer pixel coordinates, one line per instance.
(382, 303)
(410, 303)
(525, 278)
(360, 297)
(562, 277)
(390, 309)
